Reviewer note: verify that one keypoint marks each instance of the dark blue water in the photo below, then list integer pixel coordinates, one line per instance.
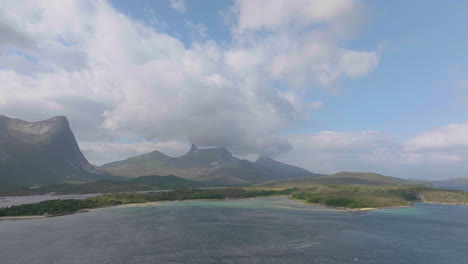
(267, 230)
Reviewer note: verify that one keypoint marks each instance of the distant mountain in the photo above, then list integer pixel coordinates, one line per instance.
(282, 169)
(459, 180)
(342, 178)
(211, 165)
(42, 152)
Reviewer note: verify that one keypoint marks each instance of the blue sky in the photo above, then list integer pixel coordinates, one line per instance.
(423, 54)
(327, 85)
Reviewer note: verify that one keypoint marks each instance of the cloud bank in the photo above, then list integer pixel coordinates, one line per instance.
(116, 77)
(129, 88)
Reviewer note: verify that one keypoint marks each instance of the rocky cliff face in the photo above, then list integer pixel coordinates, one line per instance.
(41, 153)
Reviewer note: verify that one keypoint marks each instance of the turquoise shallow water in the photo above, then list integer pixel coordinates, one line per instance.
(266, 230)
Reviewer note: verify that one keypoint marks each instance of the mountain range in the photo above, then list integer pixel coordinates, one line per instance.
(46, 152)
(43, 152)
(209, 165)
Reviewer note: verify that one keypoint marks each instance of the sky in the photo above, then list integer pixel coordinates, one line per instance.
(337, 85)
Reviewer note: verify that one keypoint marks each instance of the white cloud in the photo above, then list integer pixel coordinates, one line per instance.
(255, 15)
(301, 40)
(447, 137)
(331, 152)
(115, 77)
(438, 154)
(134, 81)
(178, 5)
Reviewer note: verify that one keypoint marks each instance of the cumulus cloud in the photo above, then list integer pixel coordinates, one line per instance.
(300, 40)
(444, 138)
(115, 77)
(331, 151)
(432, 154)
(178, 5)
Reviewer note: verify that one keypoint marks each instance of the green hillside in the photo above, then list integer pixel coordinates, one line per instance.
(377, 196)
(144, 183)
(342, 178)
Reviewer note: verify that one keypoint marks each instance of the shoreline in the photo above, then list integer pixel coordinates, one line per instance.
(445, 203)
(86, 210)
(355, 210)
(325, 208)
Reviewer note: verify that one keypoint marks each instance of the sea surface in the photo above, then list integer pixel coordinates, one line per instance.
(264, 230)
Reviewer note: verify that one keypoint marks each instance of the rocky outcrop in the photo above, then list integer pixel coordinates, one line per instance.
(41, 153)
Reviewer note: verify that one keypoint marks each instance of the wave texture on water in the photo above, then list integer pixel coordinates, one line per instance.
(264, 230)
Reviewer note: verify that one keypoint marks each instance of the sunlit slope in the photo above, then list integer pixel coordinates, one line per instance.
(342, 178)
(210, 165)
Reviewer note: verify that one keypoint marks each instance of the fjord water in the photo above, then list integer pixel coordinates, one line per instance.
(266, 230)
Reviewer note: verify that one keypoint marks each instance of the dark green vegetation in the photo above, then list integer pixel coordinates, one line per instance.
(377, 196)
(145, 183)
(42, 152)
(342, 178)
(361, 190)
(59, 207)
(215, 166)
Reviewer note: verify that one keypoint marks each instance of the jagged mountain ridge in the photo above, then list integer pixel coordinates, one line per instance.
(212, 165)
(283, 167)
(42, 152)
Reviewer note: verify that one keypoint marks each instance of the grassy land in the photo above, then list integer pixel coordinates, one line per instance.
(377, 196)
(144, 183)
(361, 196)
(59, 207)
(342, 178)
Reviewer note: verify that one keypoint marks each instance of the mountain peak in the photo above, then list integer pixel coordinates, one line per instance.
(42, 152)
(193, 149)
(35, 130)
(58, 119)
(262, 158)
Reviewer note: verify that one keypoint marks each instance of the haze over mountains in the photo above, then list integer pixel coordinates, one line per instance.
(46, 152)
(213, 165)
(41, 153)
